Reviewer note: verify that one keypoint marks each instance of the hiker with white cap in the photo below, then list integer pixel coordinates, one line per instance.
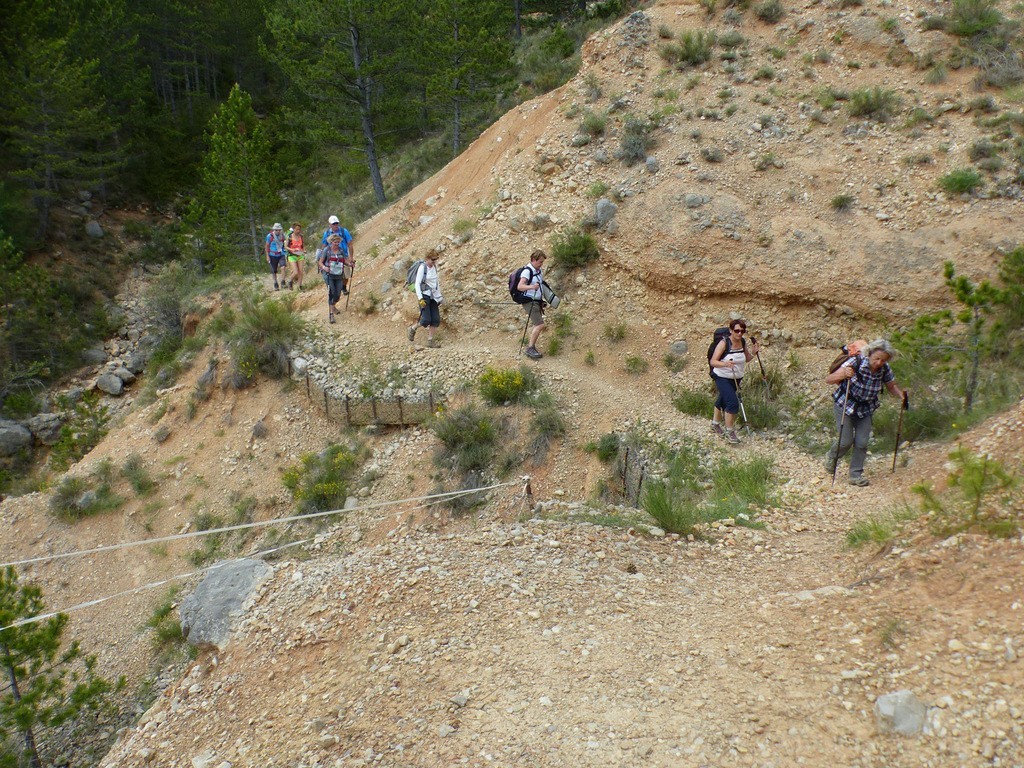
(275, 251)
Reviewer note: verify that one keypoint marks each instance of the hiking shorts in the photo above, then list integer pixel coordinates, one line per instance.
(728, 400)
(275, 263)
(535, 312)
(293, 258)
(430, 314)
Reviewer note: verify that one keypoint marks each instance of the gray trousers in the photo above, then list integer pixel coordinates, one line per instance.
(856, 432)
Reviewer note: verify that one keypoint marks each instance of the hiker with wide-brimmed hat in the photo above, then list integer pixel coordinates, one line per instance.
(860, 379)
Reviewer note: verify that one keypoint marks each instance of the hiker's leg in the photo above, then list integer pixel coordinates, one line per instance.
(862, 434)
(846, 436)
(537, 318)
(730, 403)
(433, 317)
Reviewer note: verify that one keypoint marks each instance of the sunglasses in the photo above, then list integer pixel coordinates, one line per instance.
(740, 329)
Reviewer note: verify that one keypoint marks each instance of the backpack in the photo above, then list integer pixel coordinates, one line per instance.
(410, 276)
(720, 333)
(849, 350)
(513, 285)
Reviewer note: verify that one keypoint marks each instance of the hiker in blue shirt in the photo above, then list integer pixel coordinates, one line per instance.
(275, 251)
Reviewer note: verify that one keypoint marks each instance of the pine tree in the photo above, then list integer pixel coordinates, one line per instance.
(469, 54)
(238, 184)
(48, 683)
(55, 123)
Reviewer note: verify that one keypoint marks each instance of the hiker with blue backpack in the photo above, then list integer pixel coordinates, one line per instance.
(727, 360)
(861, 378)
(275, 250)
(428, 293)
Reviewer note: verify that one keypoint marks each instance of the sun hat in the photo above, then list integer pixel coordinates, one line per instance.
(333, 220)
(278, 226)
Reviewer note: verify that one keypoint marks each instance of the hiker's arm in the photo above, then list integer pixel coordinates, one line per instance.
(524, 285)
(841, 374)
(751, 351)
(716, 357)
(421, 275)
(894, 389)
(352, 252)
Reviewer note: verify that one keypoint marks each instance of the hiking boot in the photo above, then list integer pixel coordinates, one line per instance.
(830, 462)
(291, 285)
(533, 354)
(411, 332)
(860, 481)
(433, 344)
(717, 428)
(330, 318)
(276, 286)
(732, 437)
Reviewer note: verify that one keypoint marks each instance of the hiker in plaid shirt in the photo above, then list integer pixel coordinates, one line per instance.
(860, 381)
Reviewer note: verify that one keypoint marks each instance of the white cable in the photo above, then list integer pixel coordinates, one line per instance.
(151, 585)
(243, 526)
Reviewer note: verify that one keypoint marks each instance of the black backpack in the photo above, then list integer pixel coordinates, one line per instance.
(513, 285)
(720, 333)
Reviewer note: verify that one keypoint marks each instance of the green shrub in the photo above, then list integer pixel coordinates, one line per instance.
(875, 103)
(636, 365)
(573, 248)
(982, 497)
(695, 402)
(712, 154)
(322, 481)
(614, 332)
(167, 634)
(547, 425)
(673, 363)
(971, 18)
(589, 359)
(76, 498)
(769, 11)
(83, 430)
(597, 189)
(135, 472)
(635, 141)
(264, 332)
(608, 446)
(843, 202)
(593, 124)
(695, 47)
(506, 385)
(879, 528)
(731, 39)
(982, 149)
(961, 181)
(469, 440)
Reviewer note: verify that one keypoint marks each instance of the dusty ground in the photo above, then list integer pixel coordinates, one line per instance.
(410, 639)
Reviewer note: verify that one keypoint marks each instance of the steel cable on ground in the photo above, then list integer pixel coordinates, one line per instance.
(179, 577)
(243, 526)
(142, 587)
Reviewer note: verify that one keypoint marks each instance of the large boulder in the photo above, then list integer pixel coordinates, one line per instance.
(109, 383)
(93, 229)
(45, 427)
(208, 614)
(605, 211)
(900, 712)
(14, 438)
(96, 355)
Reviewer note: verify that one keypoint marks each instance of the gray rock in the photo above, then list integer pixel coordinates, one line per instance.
(580, 140)
(900, 712)
(93, 229)
(135, 362)
(45, 427)
(695, 201)
(224, 595)
(110, 384)
(84, 195)
(679, 348)
(86, 500)
(602, 157)
(13, 438)
(124, 374)
(73, 395)
(95, 355)
(652, 164)
(605, 211)
(300, 365)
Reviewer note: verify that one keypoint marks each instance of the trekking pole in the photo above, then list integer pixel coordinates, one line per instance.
(742, 409)
(526, 327)
(904, 406)
(351, 279)
(764, 376)
(839, 438)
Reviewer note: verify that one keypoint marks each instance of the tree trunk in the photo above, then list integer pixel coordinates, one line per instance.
(972, 378)
(30, 738)
(366, 116)
(518, 30)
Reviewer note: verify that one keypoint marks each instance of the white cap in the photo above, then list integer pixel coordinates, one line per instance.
(333, 220)
(278, 226)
